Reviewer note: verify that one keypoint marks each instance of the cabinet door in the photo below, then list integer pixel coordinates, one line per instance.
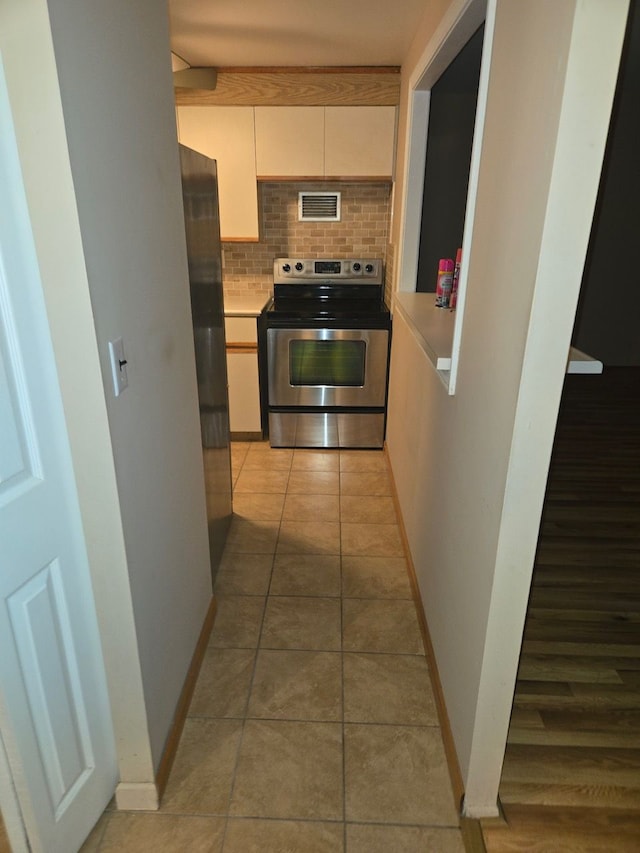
(289, 141)
(244, 392)
(242, 372)
(227, 134)
(359, 141)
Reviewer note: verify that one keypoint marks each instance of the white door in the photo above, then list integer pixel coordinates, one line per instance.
(54, 712)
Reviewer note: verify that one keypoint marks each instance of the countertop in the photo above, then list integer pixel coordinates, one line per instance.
(248, 304)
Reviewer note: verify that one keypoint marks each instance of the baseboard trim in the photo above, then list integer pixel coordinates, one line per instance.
(182, 708)
(137, 797)
(471, 831)
(246, 436)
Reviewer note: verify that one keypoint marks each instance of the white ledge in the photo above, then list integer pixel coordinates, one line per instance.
(580, 362)
(433, 327)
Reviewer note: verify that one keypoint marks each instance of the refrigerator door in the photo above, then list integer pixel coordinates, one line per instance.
(202, 226)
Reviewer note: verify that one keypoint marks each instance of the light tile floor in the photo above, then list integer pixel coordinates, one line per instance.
(313, 726)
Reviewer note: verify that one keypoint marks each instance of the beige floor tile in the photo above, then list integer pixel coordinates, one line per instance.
(314, 483)
(283, 836)
(141, 833)
(397, 774)
(381, 625)
(251, 537)
(364, 484)
(238, 621)
(371, 540)
(238, 454)
(293, 685)
(368, 509)
(301, 623)
(306, 574)
(222, 689)
(270, 459)
(262, 446)
(261, 482)
(393, 689)
(311, 508)
(309, 537)
(202, 775)
(375, 577)
(243, 574)
(368, 838)
(289, 770)
(316, 460)
(258, 507)
(363, 461)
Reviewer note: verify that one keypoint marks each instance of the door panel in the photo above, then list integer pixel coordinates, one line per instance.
(43, 636)
(55, 720)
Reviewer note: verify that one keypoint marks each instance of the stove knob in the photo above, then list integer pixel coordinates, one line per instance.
(357, 267)
(368, 268)
(286, 267)
(299, 266)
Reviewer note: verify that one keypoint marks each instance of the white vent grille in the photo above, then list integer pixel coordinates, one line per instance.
(319, 207)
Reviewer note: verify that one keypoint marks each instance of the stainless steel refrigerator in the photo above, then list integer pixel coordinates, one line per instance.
(202, 225)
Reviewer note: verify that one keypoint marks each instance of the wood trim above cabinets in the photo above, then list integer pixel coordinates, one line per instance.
(299, 87)
(345, 179)
(242, 347)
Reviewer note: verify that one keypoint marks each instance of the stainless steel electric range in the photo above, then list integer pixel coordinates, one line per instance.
(324, 342)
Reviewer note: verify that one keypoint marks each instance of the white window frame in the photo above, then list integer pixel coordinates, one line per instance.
(460, 23)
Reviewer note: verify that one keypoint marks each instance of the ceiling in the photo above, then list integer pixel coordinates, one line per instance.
(259, 33)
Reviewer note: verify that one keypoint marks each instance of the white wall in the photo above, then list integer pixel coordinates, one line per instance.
(115, 81)
(472, 513)
(108, 226)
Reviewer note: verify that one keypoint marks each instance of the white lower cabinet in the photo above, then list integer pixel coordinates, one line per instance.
(242, 372)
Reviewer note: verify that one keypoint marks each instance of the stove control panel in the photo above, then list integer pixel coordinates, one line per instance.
(308, 270)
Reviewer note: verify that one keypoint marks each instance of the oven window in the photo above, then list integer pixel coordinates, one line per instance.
(327, 362)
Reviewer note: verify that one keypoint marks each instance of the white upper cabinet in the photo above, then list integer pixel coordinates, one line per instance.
(227, 134)
(290, 141)
(325, 142)
(359, 141)
(285, 142)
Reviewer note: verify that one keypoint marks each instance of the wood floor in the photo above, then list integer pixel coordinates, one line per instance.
(571, 777)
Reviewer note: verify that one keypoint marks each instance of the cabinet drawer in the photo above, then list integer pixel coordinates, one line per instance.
(244, 393)
(240, 330)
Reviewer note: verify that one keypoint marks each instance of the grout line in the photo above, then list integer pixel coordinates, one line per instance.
(248, 699)
(320, 720)
(344, 745)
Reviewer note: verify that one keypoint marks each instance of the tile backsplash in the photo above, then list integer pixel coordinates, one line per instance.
(362, 231)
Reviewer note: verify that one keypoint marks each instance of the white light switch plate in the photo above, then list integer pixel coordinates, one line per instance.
(118, 366)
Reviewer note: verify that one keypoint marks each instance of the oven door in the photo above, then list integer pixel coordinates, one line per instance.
(327, 367)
